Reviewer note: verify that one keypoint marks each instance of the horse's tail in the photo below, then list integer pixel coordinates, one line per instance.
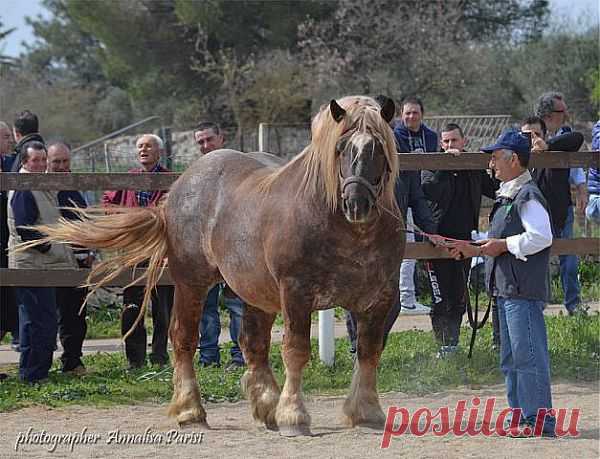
(136, 234)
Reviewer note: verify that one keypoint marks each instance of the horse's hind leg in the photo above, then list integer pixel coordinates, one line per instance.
(291, 415)
(362, 404)
(258, 382)
(186, 403)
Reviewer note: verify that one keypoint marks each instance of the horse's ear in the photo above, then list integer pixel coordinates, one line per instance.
(336, 111)
(388, 108)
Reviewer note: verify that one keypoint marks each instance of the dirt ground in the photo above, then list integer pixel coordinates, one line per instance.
(233, 433)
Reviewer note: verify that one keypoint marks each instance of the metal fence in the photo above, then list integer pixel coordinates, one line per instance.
(286, 140)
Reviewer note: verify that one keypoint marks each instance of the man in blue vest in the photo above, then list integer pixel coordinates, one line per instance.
(518, 275)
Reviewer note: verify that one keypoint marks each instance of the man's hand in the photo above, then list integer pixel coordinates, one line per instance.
(537, 143)
(463, 249)
(437, 240)
(493, 247)
(581, 198)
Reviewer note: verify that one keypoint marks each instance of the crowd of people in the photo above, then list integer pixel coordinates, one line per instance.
(531, 207)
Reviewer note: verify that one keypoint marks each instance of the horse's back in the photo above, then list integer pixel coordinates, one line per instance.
(214, 215)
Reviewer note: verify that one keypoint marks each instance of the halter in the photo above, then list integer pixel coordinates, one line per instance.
(374, 190)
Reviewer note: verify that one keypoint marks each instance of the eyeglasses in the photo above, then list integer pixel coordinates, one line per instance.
(559, 111)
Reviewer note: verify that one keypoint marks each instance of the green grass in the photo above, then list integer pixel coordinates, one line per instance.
(409, 364)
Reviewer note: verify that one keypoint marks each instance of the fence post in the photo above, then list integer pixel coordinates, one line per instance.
(167, 137)
(261, 137)
(107, 158)
(327, 337)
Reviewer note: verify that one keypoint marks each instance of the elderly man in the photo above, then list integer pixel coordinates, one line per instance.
(552, 109)
(208, 137)
(412, 136)
(37, 305)
(72, 326)
(149, 148)
(455, 201)
(518, 275)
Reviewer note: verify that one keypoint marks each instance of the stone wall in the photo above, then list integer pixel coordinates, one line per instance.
(120, 153)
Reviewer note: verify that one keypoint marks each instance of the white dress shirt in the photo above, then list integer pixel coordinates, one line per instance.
(536, 222)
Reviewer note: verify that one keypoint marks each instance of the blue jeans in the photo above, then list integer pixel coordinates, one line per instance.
(524, 358)
(592, 211)
(38, 324)
(210, 327)
(569, 265)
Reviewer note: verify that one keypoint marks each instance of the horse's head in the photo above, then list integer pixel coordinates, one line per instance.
(364, 166)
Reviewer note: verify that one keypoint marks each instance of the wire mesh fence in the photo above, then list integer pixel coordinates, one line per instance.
(284, 140)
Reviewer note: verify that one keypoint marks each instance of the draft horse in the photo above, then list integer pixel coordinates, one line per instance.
(323, 229)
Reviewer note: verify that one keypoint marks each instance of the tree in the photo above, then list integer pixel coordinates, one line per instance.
(4, 60)
(236, 45)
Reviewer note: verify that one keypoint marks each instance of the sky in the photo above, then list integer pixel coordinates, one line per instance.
(13, 12)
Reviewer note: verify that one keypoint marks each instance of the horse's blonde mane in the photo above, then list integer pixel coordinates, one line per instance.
(319, 158)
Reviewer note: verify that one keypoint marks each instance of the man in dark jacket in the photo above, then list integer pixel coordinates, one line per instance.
(72, 326)
(551, 107)
(555, 185)
(412, 136)
(25, 129)
(455, 200)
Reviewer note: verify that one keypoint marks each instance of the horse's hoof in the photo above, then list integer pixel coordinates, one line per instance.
(376, 421)
(191, 417)
(301, 430)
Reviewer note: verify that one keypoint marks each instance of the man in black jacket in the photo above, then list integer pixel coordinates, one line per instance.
(555, 185)
(72, 326)
(25, 129)
(455, 200)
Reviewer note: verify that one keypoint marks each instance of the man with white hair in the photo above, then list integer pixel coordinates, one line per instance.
(517, 266)
(149, 148)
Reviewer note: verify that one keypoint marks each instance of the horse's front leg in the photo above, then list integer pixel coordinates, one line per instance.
(291, 415)
(258, 382)
(362, 404)
(186, 403)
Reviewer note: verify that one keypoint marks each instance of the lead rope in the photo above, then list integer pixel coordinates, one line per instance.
(473, 318)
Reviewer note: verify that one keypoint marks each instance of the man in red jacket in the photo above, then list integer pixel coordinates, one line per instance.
(149, 148)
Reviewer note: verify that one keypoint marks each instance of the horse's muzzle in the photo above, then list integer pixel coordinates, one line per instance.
(357, 208)
(358, 199)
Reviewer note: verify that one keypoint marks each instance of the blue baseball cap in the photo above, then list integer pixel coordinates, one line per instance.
(513, 140)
